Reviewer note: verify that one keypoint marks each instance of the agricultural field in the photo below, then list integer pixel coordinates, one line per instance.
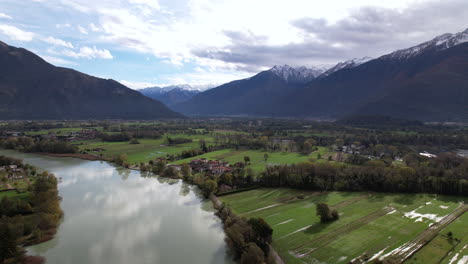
(371, 225)
(60, 131)
(257, 158)
(148, 149)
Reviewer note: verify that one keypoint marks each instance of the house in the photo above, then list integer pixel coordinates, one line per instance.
(209, 166)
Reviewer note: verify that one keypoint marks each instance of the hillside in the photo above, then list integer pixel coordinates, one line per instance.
(31, 88)
(427, 82)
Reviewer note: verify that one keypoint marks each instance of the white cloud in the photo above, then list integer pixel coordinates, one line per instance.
(57, 61)
(15, 33)
(88, 53)
(94, 28)
(82, 30)
(137, 85)
(58, 42)
(5, 16)
(149, 3)
(66, 25)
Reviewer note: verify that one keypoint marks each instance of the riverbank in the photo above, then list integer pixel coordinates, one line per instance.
(90, 157)
(219, 206)
(30, 216)
(87, 157)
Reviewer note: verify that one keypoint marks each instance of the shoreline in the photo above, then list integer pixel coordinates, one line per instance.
(217, 204)
(89, 157)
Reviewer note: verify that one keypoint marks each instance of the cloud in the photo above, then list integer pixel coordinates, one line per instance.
(137, 85)
(15, 33)
(154, 4)
(204, 41)
(366, 31)
(57, 61)
(94, 28)
(66, 25)
(58, 42)
(82, 30)
(88, 53)
(5, 16)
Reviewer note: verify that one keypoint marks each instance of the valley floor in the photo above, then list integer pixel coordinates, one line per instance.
(371, 225)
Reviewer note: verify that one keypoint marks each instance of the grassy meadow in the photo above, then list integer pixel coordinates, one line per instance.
(370, 225)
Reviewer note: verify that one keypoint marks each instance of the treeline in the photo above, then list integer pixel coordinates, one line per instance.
(247, 240)
(29, 221)
(176, 141)
(447, 174)
(27, 144)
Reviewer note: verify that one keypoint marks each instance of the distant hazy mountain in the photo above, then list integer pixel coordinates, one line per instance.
(31, 88)
(171, 95)
(425, 82)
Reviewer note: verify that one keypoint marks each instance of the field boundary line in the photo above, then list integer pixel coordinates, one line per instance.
(405, 251)
(301, 251)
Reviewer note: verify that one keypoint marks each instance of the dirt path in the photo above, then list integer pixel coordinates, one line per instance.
(402, 253)
(350, 201)
(311, 246)
(275, 256)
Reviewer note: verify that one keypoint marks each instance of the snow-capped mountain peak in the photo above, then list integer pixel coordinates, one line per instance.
(347, 64)
(441, 42)
(299, 74)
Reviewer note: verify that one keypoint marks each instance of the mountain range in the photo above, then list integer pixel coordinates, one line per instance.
(31, 88)
(171, 95)
(427, 82)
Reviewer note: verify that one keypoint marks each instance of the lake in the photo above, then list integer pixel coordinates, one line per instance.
(116, 215)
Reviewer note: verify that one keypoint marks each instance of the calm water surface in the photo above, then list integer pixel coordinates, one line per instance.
(119, 216)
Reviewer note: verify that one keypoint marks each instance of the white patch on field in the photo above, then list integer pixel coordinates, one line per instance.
(272, 215)
(297, 231)
(342, 258)
(463, 260)
(285, 222)
(263, 208)
(443, 206)
(377, 255)
(392, 212)
(453, 259)
(420, 217)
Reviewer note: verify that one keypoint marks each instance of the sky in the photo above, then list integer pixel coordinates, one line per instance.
(144, 43)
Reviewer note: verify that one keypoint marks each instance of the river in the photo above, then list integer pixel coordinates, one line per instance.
(115, 215)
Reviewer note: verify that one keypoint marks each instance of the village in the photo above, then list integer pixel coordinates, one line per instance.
(14, 176)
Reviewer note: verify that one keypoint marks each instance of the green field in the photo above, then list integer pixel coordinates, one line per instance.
(60, 131)
(257, 160)
(370, 225)
(14, 194)
(147, 150)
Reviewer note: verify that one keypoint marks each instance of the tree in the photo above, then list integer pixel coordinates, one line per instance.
(253, 254)
(210, 187)
(8, 247)
(261, 229)
(246, 159)
(308, 145)
(203, 147)
(159, 167)
(339, 143)
(134, 141)
(326, 215)
(265, 156)
(186, 171)
(170, 172)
